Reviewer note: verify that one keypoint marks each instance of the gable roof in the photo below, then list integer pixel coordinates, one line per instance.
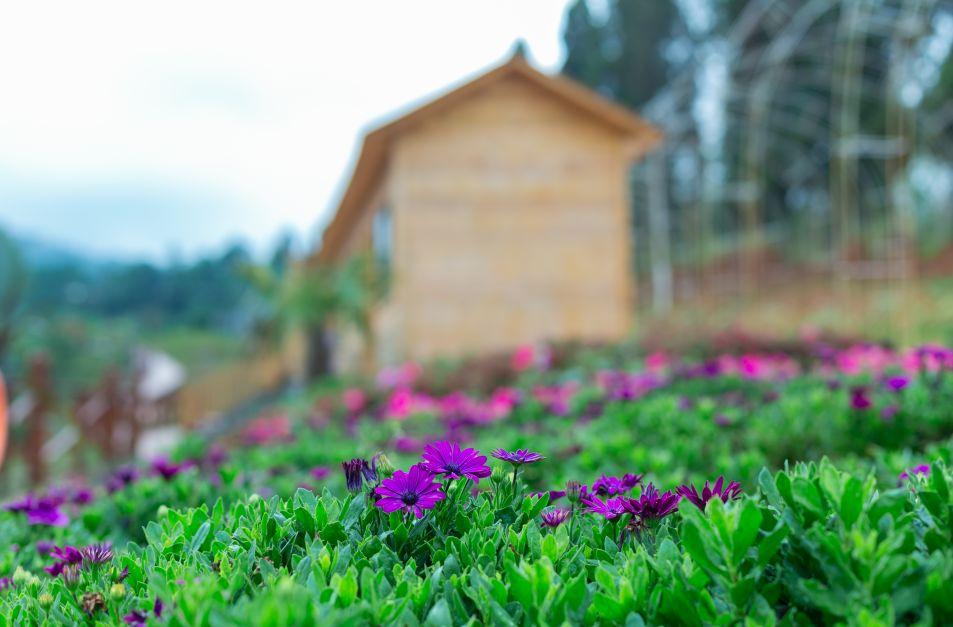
(372, 159)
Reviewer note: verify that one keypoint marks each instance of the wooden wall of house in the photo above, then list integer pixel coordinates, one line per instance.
(511, 221)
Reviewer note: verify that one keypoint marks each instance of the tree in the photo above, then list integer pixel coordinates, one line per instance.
(625, 57)
(312, 297)
(13, 277)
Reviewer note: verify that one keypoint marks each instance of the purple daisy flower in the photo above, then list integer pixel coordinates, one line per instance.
(610, 509)
(447, 459)
(919, 469)
(613, 486)
(651, 505)
(709, 492)
(517, 457)
(66, 557)
(554, 518)
(97, 553)
(135, 618)
(410, 492)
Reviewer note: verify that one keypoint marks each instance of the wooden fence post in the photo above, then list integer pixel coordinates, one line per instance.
(38, 381)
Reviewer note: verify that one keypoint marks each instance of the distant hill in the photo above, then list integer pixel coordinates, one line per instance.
(38, 252)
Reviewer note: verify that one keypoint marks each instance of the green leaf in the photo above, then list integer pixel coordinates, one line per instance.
(749, 523)
(852, 501)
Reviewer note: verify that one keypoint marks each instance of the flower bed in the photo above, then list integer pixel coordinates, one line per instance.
(753, 487)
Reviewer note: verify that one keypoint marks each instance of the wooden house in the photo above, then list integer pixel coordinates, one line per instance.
(502, 211)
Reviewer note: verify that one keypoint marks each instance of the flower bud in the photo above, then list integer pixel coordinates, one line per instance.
(117, 591)
(385, 468)
(21, 577)
(163, 511)
(45, 599)
(573, 491)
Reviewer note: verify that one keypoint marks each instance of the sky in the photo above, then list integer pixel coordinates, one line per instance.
(148, 131)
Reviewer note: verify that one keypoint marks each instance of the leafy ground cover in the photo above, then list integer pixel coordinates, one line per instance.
(807, 487)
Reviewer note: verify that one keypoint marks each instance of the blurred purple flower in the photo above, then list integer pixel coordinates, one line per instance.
(43, 547)
(724, 492)
(888, 413)
(123, 476)
(5, 582)
(411, 492)
(449, 460)
(919, 469)
(168, 469)
(135, 618)
(319, 472)
(65, 557)
(897, 384)
(859, 398)
(517, 457)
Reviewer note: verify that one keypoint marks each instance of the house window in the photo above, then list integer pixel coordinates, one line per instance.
(382, 236)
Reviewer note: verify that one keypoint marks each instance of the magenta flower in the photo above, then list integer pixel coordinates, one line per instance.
(610, 509)
(135, 618)
(919, 469)
(167, 469)
(40, 511)
(5, 582)
(897, 384)
(517, 457)
(411, 492)
(651, 505)
(447, 459)
(319, 472)
(554, 518)
(613, 486)
(121, 478)
(66, 557)
(859, 399)
(46, 513)
(719, 490)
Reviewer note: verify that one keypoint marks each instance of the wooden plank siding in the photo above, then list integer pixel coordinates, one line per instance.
(511, 220)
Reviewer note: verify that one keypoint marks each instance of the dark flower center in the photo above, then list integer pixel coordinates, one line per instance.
(409, 498)
(452, 469)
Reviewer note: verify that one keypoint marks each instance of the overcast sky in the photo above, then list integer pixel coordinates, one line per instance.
(133, 131)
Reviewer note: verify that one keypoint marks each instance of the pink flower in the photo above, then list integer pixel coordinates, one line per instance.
(354, 400)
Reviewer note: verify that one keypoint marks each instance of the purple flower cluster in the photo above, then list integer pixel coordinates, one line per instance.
(138, 618)
(70, 559)
(651, 504)
(417, 490)
(614, 486)
(41, 510)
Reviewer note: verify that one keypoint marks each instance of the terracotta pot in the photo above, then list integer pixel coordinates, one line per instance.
(3, 419)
